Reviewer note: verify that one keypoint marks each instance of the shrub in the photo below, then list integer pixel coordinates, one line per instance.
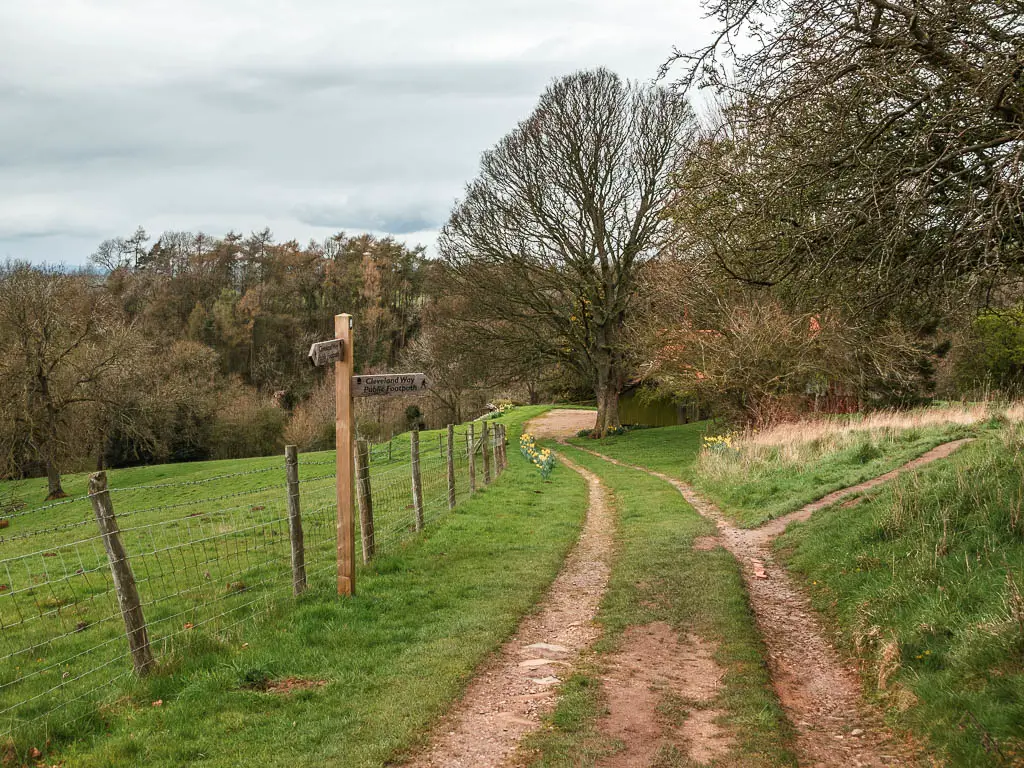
(414, 418)
(247, 425)
(311, 426)
(867, 452)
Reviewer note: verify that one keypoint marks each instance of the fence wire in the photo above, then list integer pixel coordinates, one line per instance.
(207, 555)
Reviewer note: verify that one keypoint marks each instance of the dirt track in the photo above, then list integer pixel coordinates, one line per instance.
(507, 698)
(820, 693)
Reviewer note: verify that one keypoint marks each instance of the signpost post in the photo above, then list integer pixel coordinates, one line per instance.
(344, 436)
(339, 351)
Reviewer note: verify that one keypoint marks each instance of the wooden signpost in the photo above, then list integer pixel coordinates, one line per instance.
(339, 351)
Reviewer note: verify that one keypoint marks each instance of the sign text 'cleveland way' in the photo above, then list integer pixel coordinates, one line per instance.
(389, 384)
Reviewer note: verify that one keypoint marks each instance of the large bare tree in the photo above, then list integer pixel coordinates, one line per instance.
(544, 249)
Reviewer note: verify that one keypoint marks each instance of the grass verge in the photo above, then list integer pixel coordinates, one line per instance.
(923, 581)
(657, 576)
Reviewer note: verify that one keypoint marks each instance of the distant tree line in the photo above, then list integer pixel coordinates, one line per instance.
(186, 347)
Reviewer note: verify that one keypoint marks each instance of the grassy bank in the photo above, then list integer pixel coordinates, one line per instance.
(658, 577)
(759, 476)
(923, 581)
(318, 679)
(755, 490)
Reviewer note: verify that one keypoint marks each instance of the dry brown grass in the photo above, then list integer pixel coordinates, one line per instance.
(797, 443)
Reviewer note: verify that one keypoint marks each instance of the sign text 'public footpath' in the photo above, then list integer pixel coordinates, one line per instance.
(393, 384)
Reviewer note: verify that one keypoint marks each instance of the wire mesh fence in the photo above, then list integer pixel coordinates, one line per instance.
(205, 556)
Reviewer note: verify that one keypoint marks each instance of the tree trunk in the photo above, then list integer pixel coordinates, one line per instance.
(607, 409)
(609, 386)
(56, 491)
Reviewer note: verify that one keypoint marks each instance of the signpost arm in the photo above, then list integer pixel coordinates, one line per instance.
(344, 433)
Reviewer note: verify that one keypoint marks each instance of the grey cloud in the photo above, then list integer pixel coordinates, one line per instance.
(488, 79)
(348, 115)
(381, 218)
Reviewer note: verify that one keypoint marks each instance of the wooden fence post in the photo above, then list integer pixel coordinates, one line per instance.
(487, 456)
(417, 486)
(365, 497)
(497, 450)
(124, 581)
(291, 469)
(504, 445)
(389, 451)
(451, 466)
(472, 459)
(502, 463)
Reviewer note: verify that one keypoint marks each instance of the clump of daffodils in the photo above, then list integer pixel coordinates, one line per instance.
(720, 443)
(500, 410)
(541, 458)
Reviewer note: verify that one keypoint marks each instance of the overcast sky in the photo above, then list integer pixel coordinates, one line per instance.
(308, 117)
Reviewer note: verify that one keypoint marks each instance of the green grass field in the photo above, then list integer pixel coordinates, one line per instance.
(211, 559)
(657, 576)
(923, 581)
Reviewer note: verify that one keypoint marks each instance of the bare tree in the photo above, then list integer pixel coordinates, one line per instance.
(63, 346)
(544, 249)
(121, 253)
